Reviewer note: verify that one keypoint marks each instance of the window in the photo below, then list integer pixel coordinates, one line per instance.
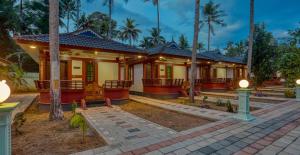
(148, 71)
(169, 71)
(90, 72)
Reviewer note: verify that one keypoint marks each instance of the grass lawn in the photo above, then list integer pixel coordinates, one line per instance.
(40, 136)
(170, 119)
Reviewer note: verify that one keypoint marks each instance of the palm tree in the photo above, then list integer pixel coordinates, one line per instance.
(155, 38)
(249, 61)
(183, 42)
(110, 4)
(156, 3)
(56, 112)
(69, 8)
(212, 15)
(194, 51)
(145, 43)
(129, 31)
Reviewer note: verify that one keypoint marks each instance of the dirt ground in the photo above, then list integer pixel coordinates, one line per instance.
(166, 118)
(42, 137)
(210, 105)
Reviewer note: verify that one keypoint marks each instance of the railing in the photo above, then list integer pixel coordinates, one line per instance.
(117, 84)
(215, 80)
(64, 84)
(163, 82)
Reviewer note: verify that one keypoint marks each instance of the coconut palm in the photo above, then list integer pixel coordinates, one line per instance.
(212, 15)
(183, 42)
(69, 9)
(129, 31)
(110, 4)
(194, 50)
(145, 43)
(56, 112)
(156, 3)
(250, 48)
(155, 38)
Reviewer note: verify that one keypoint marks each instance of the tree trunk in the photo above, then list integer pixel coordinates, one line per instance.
(208, 39)
(110, 23)
(194, 51)
(249, 62)
(158, 17)
(56, 112)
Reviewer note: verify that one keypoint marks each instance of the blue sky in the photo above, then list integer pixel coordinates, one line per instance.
(177, 17)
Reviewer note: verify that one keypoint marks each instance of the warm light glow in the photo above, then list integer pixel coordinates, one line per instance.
(96, 53)
(32, 47)
(208, 62)
(161, 57)
(188, 60)
(244, 84)
(140, 56)
(4, 91)
(298, 82)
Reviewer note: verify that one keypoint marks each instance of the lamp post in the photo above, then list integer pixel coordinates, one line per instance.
(298, 90)
(5, 119)
(244, 102)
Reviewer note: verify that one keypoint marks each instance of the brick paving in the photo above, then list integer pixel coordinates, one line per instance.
(276, 130)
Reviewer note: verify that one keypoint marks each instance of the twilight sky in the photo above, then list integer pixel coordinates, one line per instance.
(177, 17)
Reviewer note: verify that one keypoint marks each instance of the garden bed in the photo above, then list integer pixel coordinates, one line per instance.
(170, 119)
(41, 136)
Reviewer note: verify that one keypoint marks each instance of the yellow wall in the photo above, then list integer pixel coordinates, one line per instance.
(107, 71)
(179, 72)
(77, 69)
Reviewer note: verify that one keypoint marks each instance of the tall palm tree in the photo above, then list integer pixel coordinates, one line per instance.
(249, 61)
(156, 3)
(194, 51)
(129, 31)
(183, 42)
(110, 4)
(56, 112)
(155, 37)
(69, 8)
(212, 16)
(145, 43)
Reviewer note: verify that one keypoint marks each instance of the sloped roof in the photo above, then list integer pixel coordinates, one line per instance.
(173, 49)
(84, 38)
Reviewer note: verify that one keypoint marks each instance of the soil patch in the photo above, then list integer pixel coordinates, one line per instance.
(41, 136)
(170, 119)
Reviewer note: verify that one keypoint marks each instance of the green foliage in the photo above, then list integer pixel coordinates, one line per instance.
(204, 99)
(290, 93)
(78, 121)
(129, 32)
(229, 106)
(264, 55)
(156, 38)
(69, 10)
(183, 42)
(73, 107)
(19, 121)
(219, 102)
(236, 49)
(14, 77)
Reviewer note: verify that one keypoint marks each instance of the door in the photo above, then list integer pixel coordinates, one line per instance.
(90, 72)
(137, 78)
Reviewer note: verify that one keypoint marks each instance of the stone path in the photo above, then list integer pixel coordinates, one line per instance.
(24, 100)
(124, 130)
(191, 110)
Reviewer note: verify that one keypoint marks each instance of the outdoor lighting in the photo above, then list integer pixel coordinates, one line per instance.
(298, 82)
(140, 56)
(161, 57)
(32, 47)
(298, 90)
(188, 60)
(96, 53)
(244, 84)
(4, 91)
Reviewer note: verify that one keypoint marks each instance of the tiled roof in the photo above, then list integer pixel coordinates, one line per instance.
(172, 49)
(84, 38)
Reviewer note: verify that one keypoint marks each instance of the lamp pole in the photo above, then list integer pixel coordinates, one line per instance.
(298, 90)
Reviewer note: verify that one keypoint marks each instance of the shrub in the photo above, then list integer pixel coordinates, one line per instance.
(78, 121)
(73, 107)
(204, 99)
(229, 106)
(290, 93)
(19, 121)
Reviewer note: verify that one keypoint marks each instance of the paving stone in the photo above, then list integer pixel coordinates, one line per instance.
(206, 150)
(216, 146)
(181, 151)
(224, 152)
(240, 144)
(233, 148)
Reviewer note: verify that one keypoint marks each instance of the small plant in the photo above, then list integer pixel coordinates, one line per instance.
(73, 107)
(204, 99)
(19, 121)
(78, 121)
(290, 93)
(219, 102)
(229, 106)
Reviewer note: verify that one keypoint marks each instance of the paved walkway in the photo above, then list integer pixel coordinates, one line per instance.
(191, 110)
(24, 100)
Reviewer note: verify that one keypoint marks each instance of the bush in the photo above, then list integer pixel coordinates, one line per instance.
(229, 106)
(204, 99)
(78, 121)
(290, 93)
(74, 106)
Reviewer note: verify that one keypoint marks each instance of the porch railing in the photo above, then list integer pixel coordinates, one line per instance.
(163, 82)
(117, 84)
(64, 84)
(215, 80)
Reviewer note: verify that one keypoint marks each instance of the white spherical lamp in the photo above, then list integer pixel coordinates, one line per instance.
(298, 82)
(4, 91)
(244, 84)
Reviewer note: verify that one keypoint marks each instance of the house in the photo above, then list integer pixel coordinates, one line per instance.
(119, 69)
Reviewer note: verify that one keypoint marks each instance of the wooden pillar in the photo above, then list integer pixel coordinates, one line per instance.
(42, 67)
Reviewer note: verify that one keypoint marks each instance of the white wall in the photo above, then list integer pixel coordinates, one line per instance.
(229, 73)
(77, 69)
(107, 71)
(122, 72)
(221, 73)
(179, 72)
(137, 80)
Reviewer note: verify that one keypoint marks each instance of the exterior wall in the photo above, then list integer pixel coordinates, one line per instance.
(77, 70)
(230, 73)
(107, 71)
(179, 72)
(122, 73)
(221, 73)
(137, 78)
